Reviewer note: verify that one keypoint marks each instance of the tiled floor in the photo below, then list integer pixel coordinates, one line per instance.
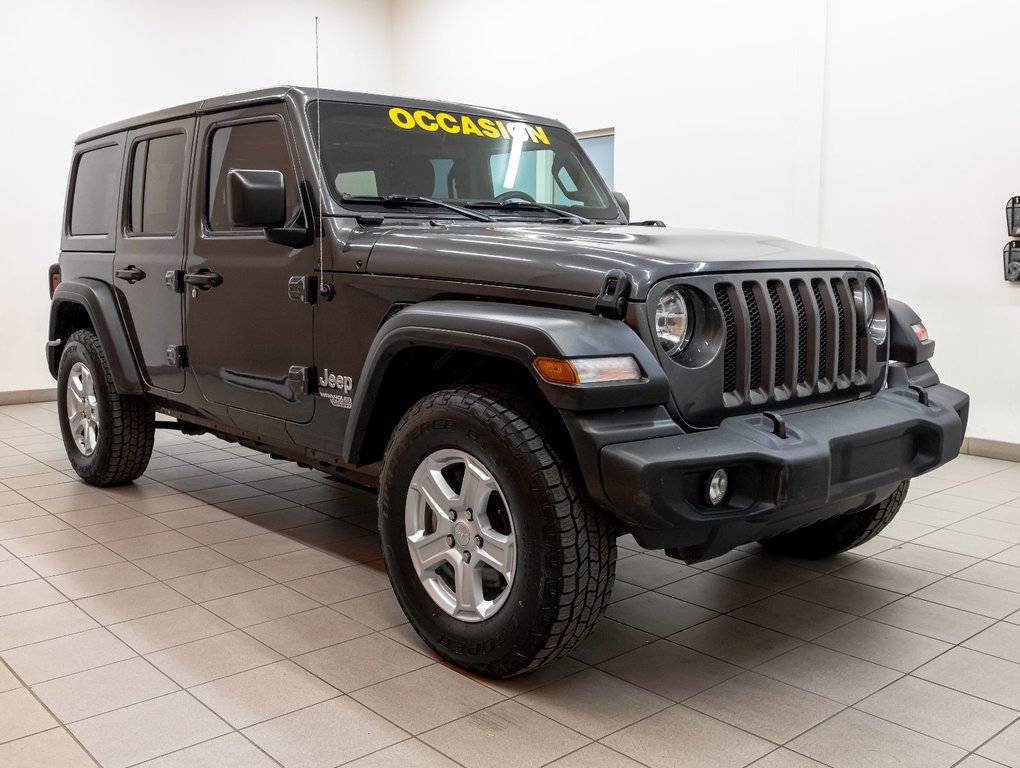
(232, 610)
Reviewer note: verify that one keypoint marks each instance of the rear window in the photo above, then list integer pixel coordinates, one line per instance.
(94, 199)
(157, 176)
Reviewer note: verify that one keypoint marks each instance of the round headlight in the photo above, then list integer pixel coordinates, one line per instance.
(868, 299)
(673, 322)
(871, 302)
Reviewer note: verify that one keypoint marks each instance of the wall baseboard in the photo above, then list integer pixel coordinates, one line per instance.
(991, 449)
(972, 446)
(20, 396)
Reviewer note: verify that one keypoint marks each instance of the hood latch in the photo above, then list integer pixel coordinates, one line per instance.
(612, 300)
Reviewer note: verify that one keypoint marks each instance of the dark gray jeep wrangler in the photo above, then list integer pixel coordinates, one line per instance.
(446, 303)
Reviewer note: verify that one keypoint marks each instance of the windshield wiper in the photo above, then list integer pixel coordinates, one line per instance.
(397, 200)
(565, 215)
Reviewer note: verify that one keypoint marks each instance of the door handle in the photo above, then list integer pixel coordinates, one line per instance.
(131, 273)
(203, 279)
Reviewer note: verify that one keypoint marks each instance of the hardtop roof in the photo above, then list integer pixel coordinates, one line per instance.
(299, 96)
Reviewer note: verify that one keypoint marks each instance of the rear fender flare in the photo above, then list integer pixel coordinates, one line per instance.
(99, 302)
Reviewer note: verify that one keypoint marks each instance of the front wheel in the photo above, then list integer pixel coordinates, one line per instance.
(497, 557)
(840, 533)
(108, 436)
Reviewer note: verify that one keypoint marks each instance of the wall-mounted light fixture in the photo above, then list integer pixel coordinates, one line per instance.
(1011, 251)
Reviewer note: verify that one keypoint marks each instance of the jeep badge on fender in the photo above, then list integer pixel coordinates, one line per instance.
(536, 376)
(333, 381)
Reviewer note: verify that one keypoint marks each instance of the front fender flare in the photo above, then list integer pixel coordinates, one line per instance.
(518, 333)
(97, 298)
(904, 346)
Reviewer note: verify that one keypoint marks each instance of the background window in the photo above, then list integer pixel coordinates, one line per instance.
(532, 172)
(249, 146)
(156, 179)
(600, 149)
(357, 183)
(95, 191)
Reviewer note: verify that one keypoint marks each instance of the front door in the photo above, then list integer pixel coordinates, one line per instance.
(243, 331)
(150, 243)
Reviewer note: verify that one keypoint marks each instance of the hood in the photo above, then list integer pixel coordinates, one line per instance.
(575, 258)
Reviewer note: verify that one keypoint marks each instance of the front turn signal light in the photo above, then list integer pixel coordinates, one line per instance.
(920, 331)
(588, 370)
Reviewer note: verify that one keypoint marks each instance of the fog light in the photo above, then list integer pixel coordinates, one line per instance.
(718, 485)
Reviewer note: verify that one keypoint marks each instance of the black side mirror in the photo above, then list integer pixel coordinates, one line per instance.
(622, 201)
(256, 198)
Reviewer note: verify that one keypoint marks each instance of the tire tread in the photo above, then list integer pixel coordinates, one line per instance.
(840, 533)
(585, 570)
(132, 429)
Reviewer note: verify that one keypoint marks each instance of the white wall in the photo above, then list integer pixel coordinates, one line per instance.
(922, 151)
(717, 106)
(883, 129)
(69, 66)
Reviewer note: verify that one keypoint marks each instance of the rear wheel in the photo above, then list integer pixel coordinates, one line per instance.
(108, 437)
(840, 533)
(496, 556)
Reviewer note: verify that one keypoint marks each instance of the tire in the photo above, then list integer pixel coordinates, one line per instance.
(110, 439)
(555, 551)
(840, 533)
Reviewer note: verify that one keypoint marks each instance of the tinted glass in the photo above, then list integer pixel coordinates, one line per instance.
(137, 184)
(95, 191)
(466, 159)
(157, 176)
(249, 146)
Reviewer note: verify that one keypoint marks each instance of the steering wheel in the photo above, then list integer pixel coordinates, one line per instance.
(510, 194)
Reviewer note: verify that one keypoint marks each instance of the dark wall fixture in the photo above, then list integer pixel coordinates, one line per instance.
(1011, 253)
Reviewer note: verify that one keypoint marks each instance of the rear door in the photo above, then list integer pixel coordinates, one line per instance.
(150, 243)
(245, 333)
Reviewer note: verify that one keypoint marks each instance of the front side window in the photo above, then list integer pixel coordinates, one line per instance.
(247, 146)
(157, 174)
(95, 191)
(470, 160)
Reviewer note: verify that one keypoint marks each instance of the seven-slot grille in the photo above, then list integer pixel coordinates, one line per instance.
(790, 337)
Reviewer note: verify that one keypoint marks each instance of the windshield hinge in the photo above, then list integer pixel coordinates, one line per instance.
(612, 300)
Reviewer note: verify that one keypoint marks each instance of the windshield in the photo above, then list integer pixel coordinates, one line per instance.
(470, 160)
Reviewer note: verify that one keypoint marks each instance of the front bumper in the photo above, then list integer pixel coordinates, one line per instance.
(834, 459)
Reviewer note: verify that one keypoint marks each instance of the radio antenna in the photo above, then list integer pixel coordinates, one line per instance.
(324, 289)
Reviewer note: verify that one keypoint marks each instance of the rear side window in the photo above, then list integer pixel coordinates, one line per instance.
(95, 191)
(157, 173)
(248, 146)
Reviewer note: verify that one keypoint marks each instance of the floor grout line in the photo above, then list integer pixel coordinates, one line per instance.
(324, 548)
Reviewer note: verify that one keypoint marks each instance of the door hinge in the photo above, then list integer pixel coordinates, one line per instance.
(303, 288)
(175, 280)
(301, 379)
(177, 356)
